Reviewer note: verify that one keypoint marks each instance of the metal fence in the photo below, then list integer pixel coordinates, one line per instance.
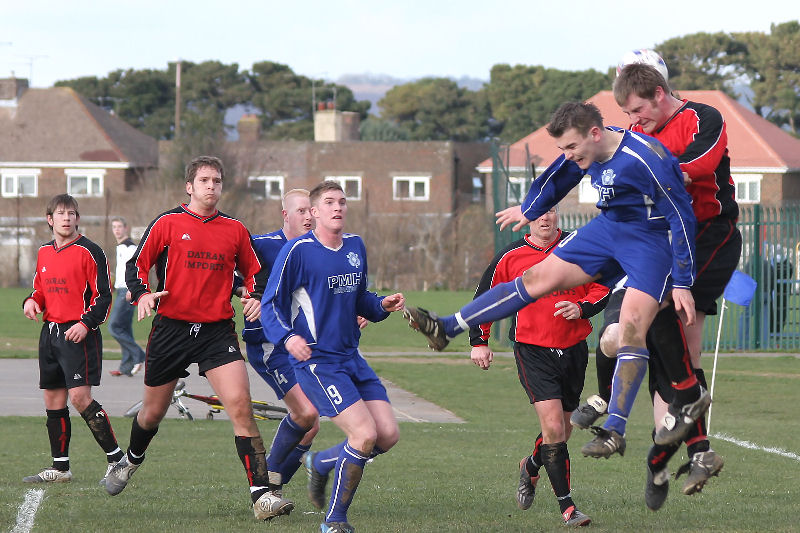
(770, 254)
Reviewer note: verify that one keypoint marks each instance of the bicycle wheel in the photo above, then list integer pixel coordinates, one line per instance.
(268, 411)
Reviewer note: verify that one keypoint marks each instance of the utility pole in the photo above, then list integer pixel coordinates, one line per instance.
(178, 100)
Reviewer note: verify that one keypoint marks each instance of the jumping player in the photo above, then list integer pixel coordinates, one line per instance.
(196, 249)
(645, 230)
(71, 289)
(316, 291)
(297, 430)
(549, 339)
(695, 133)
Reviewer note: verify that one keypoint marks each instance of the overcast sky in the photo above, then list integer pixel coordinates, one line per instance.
(57, 40)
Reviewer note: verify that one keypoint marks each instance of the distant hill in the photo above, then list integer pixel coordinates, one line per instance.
(372, 87)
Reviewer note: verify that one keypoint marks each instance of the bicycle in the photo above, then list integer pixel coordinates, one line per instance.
(261, 410)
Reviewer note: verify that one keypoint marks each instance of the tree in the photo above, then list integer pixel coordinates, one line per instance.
(436, 109)
(284, 100)
(704, 61)
(376, 129)
(773, 66)
(522, 97)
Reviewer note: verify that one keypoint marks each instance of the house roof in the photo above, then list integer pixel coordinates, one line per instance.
(754, 143)
(58, 125)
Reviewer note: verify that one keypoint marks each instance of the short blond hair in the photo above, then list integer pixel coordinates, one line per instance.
(294, 192)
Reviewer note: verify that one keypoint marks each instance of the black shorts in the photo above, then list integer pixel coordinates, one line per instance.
(175, 344)
(658, 380)
(718, 248)
(65, 364)
(552, 373)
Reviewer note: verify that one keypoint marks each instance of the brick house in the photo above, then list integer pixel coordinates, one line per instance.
(765, 160)
(54, 141)
(403, 197)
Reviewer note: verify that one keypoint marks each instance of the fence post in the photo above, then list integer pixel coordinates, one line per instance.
(758, 275)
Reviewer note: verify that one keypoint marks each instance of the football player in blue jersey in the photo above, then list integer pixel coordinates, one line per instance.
(646, 229)
(297, 430)
(316, 291)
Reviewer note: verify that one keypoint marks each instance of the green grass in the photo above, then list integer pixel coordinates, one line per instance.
(440, 477)
(19, 337)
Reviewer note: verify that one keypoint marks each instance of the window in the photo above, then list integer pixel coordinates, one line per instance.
(415, 188)
(350, 184)
(269, 187)
(517, 189)
(20, 182)
(586, 193)
(748, 188)
(477, 190)
(85, 182)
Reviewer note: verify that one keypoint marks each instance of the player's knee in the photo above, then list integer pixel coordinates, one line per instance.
(307, 417)
(609, 340)
(387, 439)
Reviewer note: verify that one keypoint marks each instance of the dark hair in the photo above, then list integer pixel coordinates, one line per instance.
(321, 188)
(582, 116)
(61, 200)
(204, 161)
(639, 79)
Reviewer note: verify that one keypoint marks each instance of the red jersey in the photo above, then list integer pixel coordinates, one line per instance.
(195, 259)
(535, 323)
(71, 283)
(696, 135)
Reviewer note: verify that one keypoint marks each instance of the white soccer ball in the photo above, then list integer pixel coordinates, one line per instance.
(647, 57)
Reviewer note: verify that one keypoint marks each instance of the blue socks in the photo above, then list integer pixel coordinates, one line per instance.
(288, 435)
(325, 460)
(502, 300)
(346, 477)
(628, 376)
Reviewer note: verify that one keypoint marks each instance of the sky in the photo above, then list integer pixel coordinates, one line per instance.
(47, 41)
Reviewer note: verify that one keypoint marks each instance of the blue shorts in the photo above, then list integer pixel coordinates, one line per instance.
(333, 387)
(615, 249)
(273, 366)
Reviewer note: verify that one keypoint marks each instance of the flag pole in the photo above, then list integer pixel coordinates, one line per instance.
(714, 370)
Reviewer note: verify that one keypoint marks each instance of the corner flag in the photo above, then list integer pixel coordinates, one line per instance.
(740, 289)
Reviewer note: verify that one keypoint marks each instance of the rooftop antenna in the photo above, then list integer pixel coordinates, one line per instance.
(31, 58)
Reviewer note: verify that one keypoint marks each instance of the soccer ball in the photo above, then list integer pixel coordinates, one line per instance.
(648, 57)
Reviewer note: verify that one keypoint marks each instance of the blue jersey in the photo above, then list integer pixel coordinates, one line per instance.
(267, 247)
(317, 292)
(640, 184)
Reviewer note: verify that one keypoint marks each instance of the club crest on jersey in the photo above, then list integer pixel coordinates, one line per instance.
(353, 259)
(44, 269)
(607, 177)
(186, 237)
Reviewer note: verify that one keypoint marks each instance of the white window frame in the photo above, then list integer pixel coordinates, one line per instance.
(267, 180)
(745, 181)
(91, 174)
(522, 182)
(342, 181)
(413, 181)
(14, 175)
(586, 193)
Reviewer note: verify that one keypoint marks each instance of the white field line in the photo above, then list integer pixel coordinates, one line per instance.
(27, 511)
(753, 446)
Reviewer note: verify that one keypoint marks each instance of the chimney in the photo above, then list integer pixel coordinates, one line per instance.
(249, 128)
(331, 125)
(11, 90)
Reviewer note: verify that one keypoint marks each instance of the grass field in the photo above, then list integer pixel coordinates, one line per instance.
(440, 477)
(19, 337)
